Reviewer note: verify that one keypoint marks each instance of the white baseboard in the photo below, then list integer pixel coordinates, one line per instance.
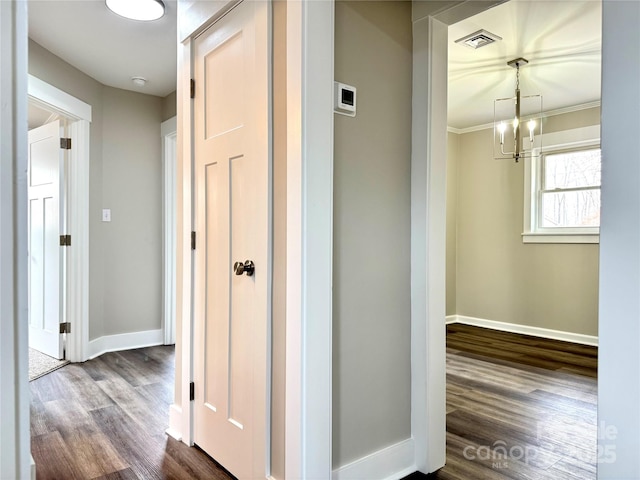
(525, 330)
(125, 341)
(391, 463)
(175, 420)
(451, 319)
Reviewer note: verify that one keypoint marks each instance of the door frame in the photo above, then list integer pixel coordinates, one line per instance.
(169, 134)
(78, 114)
(309, 239)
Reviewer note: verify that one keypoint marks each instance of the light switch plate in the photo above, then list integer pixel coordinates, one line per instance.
(106, 214)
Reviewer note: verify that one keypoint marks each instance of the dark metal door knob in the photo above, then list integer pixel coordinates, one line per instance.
(247, 267)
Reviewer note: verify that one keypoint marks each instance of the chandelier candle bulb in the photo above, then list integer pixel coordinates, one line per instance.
(532, 127)
(501, 128)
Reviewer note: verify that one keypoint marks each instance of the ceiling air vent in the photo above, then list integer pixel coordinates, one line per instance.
(479, 39)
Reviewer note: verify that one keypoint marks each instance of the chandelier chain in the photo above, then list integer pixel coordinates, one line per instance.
(518, 77)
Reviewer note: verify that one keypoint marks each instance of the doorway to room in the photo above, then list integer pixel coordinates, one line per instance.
(523, 309)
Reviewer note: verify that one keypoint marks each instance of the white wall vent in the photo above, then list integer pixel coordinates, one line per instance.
(479, 39)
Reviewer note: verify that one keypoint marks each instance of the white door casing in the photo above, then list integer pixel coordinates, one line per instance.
(168, 132)
(46, 256)
(78, 115)
(232, 224)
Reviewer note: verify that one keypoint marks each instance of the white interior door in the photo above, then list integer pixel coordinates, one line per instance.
(232, 204)
(44, 225)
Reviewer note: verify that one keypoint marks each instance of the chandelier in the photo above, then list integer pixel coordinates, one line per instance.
(512, 116)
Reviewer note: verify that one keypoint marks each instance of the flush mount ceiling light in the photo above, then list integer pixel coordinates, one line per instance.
(143, 10)
(517, 111)
(479, 39)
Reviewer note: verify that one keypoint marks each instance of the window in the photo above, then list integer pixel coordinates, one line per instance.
(562, 189)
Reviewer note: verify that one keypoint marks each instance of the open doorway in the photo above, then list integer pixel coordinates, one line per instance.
(64, 289)
(503, 275)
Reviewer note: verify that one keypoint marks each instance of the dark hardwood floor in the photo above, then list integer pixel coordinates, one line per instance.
(517, 408)
(106, 419)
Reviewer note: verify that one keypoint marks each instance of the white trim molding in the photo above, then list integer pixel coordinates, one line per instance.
(52, 98)
(169, 135)
(525, 330)
(175, 422)
(77, 275)
(390, 463)
(428, 180)
(15, 451)
(125, 341)
(308, 394)
(550, 113)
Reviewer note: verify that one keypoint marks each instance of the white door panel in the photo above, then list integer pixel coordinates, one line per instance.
(232, 178)
(45, 254)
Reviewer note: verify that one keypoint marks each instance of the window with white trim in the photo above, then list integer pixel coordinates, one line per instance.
(562, 189)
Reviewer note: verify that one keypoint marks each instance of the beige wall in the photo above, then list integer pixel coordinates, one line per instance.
(125, 168)
(278, 332)
(453, 152)
(552, 286)
(132, 188)
(169, 106)
(371, 281)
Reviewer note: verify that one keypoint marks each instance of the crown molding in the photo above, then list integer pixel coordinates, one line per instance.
(550, 113)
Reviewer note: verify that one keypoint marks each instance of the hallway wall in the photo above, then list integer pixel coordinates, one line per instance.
(372, 183)
(125, 175)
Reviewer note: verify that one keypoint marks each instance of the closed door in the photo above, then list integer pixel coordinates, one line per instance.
(44, 225)
(232, 204)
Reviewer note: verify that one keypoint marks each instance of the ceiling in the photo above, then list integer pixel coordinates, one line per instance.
(561, 40)
(107, 47)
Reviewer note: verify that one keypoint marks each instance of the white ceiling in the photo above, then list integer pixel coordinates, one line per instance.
(107, 47)
(561, 40)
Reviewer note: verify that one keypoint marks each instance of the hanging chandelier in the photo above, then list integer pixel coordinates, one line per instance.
(512, 116)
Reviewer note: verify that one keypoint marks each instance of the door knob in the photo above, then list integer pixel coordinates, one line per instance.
(247, 267)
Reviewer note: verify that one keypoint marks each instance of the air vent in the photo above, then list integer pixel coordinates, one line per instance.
(479, 39)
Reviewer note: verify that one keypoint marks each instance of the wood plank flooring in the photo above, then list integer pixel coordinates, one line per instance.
(518, 407)
(106, 419)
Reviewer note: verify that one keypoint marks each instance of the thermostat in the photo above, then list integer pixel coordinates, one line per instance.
(344, 101)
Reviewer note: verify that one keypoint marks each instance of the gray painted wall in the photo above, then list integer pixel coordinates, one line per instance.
(372, 160)
(125, 169)
(453, 152)
(132, 189)
(279, 295)
(169, 106)
(497, 277)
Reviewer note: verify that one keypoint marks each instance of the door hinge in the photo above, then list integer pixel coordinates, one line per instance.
(65, 143)
(192, 391)
(65, 327)
(65, 240)
(193, 88)
(193, 240)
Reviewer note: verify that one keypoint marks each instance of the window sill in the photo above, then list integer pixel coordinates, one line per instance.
(560, 237)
